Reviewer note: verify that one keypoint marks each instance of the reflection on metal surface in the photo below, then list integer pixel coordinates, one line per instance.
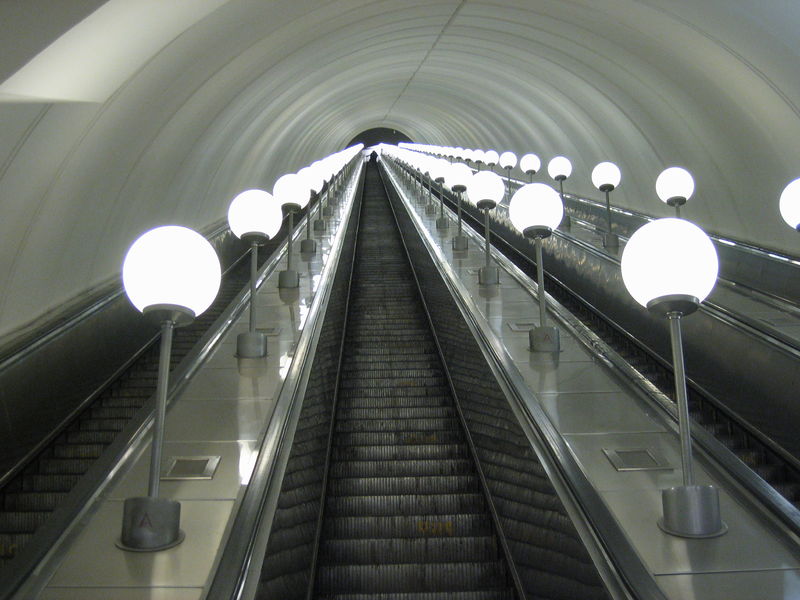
(190, 467)
(637, 459)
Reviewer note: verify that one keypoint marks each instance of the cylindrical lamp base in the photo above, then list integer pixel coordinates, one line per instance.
(442, 223)
(308, 246)
(319, 225)
(288, 279)
(610, 240)
(150, 524)
(460, 242)
(327, 211)
(545, 339)
(251, 344)
(692, 511)
(430, 209)
(489, 276)
(566, 221)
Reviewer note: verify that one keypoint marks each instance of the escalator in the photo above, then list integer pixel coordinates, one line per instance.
(385, 493)
(31, 496)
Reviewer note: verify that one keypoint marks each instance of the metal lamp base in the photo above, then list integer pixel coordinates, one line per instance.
(610, 240)
(327, 211)
(319, 225)
(692, 511)
(442, 223)
(251, 344)
(150, 525)
(308, 246)
(460, 242)
(489, 276)
(430, 209)
(566, 222)
(288, 279)
(545, 339)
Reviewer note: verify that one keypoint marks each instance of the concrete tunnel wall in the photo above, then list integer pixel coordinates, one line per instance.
(116, 116)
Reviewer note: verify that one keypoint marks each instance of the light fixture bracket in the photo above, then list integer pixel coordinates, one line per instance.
(537, 231)
(160, 313)
(607, 187)
(560, 177)
(292, 207)
(676, 201)
(683, 304)
(486, 204)
(255, 237)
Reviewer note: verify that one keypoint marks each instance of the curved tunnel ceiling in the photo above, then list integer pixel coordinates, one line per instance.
(255, 89)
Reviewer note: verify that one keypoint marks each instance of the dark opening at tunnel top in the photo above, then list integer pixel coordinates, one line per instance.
(378, 135)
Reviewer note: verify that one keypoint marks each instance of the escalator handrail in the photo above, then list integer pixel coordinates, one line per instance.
(239, 565)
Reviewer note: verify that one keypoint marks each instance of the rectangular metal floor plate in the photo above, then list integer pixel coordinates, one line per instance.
(637, 459)
(191, 467)
(269, 330)
(519, 326)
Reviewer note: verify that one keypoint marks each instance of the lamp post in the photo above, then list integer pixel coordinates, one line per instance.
(559, 169)
(530, 164)
(477, 158)
(313, 182)
(536, 210)
(172, 275)
(675, 186)
(254, 217)
(438, 171)
(291, 192)
(485, 189)
(457, 177)
(670, 266)
(508, 160)
(790, 204)
(606, 177)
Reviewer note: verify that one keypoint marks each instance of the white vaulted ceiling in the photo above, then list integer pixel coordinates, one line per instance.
(118, 116)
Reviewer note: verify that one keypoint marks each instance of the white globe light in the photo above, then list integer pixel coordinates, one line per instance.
(478, 155)
(535, 205)
(530, 163)
(458, 176)
(313, 177)
(790, 204)
(485, 185)
(606, 176)
(490, 157)
(508, 160)
(674, 183)
(174, 266)
(291, 189)
(559, 168)
(255, 211)
(669, 257)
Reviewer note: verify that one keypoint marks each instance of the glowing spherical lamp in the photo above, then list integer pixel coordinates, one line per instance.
(508, 160)
(530, 164)
(606, 176)
(490, 157)
(254, 212)
(669, 262)
(173, 267)
(485, 189)
(675, 186)
(291, 190)
(559, 168)
(790, 204)
(536, 208)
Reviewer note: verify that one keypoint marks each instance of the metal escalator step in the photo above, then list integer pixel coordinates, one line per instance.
(112, 412)
(64, 466)
(389, 373)
(33, 501)
(450, 595)
(391, 392)
(422, 412)
(393, 438)
(399, 402)
(437, 577)
(49, 483)
(389, 347)
(400, 452)
(388, 486)
(426, 504)
(407, 526)
(21, 522)
(78, 450)
(396, 425)
(401, 468)
(103, 424)
(91, 437)
(401, 382)
(409, 550)
(125, 401)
